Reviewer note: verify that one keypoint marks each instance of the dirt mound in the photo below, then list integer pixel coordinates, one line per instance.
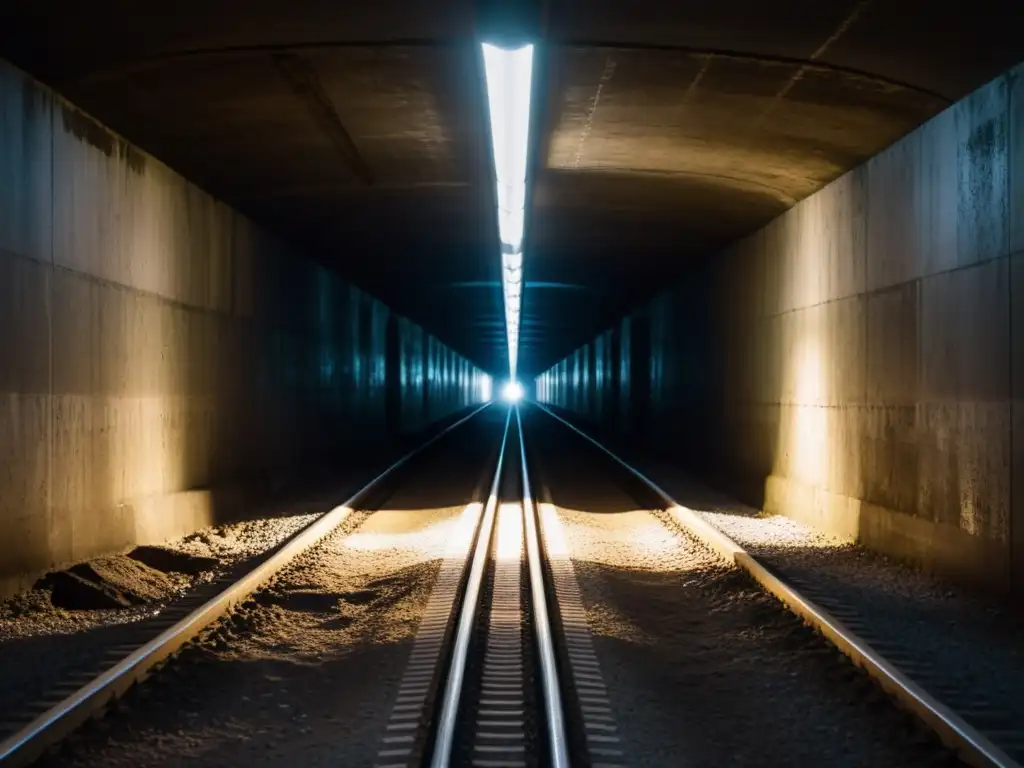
(70, 589)
(113, 582)
(173, 561)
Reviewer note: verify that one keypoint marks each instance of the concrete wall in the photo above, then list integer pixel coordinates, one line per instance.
(155, 345)
(858, 363)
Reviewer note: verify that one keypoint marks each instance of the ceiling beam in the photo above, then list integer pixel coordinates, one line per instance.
(301, 77)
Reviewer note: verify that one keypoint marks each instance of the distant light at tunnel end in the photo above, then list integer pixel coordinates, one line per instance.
(509, 76)
(512, 392)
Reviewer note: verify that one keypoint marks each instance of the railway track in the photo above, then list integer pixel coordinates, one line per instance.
(481, 683)
(996, 742)
(503, 671)
(481, 687)
(91, 689)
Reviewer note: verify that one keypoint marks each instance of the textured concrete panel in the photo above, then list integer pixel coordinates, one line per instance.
(965, 339)
(805, 255)
(25, 167)
(24, 491)
(893, 334)
(965, 466)
(24, 325)
(889, 458)
(937, 194)
(844, 235)
(844, 344)
(893, 242)
(982, 126)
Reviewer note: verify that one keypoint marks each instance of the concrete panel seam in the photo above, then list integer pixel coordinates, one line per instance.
(144, 293)
(888, 287)
(50, 422)
(8, 253)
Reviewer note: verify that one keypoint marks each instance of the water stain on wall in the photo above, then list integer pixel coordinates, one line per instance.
(93, 133)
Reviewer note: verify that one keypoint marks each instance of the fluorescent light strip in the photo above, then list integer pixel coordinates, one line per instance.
(509, 76)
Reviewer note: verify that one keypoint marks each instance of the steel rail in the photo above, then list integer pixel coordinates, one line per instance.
(554, 714)
(970, 744)
(26, 745)
(444, 737)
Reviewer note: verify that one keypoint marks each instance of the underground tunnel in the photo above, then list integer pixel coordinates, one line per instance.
(535, 383)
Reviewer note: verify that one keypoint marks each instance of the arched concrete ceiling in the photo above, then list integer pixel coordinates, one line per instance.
(661, 129)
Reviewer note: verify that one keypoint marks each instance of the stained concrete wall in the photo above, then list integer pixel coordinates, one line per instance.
(158, 349)
(858, 363)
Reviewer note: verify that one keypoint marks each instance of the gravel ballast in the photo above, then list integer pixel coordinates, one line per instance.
(303, 674)
(60, 631)
(963, 642)
(965, 645)
(305, 671)
(703, 667)
(43, 643)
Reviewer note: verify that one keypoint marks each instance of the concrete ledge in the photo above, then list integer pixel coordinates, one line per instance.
(835, 514)
(934, 547)
(159, 518)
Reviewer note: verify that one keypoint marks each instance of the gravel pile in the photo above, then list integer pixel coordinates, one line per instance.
(304, 673)
(66, 623)
(231, 543)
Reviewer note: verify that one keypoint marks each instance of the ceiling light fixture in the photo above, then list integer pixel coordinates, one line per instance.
(509, 75)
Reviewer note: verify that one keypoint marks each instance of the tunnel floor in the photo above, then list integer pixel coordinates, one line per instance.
(690, 661)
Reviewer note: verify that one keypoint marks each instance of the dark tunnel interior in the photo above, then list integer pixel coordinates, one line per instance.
(511, 383)
(777, 243)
